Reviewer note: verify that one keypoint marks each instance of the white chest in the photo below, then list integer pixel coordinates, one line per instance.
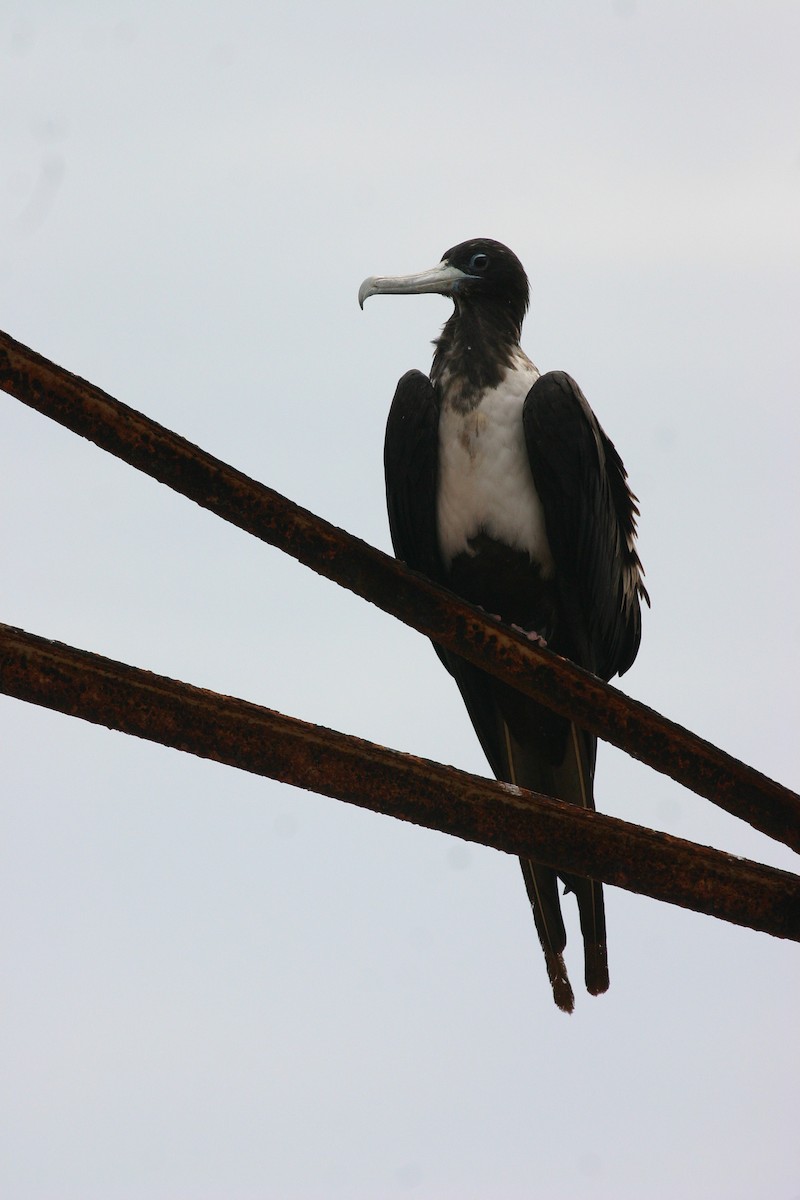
(485, 481)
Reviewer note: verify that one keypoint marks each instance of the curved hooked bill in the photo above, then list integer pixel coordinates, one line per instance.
(444, 279)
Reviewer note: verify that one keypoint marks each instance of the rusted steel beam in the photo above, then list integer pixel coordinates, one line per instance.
(350, 562)
(308, 756)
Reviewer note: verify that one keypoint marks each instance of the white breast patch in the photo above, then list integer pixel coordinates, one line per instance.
(485, 481)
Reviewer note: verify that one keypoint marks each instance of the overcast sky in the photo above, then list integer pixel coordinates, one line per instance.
(217, 987)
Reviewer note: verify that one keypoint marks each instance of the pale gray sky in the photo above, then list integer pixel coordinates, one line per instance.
(218, 987)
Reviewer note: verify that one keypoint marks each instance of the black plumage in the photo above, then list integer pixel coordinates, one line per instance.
(502, 485)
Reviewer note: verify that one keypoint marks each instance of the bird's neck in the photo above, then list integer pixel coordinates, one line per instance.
(473, 353)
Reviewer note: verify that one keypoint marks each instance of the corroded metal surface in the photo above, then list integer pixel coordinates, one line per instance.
(265, 742)
(607, 712)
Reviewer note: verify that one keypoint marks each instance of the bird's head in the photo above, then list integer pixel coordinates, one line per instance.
(478, 273)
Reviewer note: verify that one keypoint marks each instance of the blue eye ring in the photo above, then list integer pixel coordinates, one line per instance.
(479, 262)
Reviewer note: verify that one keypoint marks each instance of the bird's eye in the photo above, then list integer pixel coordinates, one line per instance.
(479, 262)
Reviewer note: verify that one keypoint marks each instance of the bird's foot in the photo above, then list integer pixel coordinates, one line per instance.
(532, 635)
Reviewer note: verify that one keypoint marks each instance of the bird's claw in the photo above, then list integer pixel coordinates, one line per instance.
(531, 634)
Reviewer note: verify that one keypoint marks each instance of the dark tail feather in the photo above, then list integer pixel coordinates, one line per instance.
(572, 782)
(589, 892)
(576, 787)
(589, 895)
(542, 885)
(529, 757)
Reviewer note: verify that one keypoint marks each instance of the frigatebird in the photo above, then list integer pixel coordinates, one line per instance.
(502, 486)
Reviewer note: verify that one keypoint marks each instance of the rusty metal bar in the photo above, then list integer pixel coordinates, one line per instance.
(350, 562)
(308, 756)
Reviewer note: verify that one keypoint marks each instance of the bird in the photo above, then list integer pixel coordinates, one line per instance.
(502, 486)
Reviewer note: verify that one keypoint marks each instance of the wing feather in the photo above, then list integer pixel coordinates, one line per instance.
(411, 464)
(590, 513)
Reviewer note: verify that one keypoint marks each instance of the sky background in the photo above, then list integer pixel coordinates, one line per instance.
(214, 986)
